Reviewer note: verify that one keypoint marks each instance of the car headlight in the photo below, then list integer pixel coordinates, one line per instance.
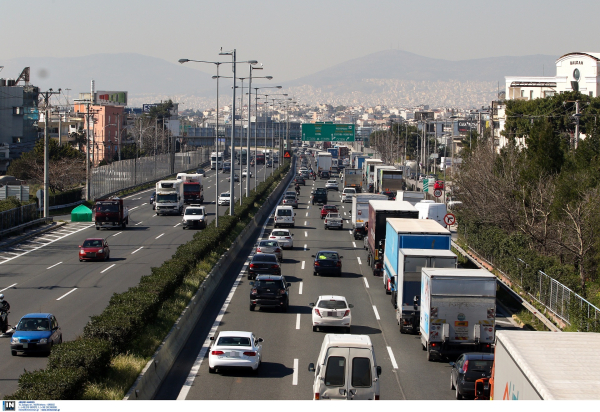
(14, 340)
(100, 250)
(82, 252)
(44, 341)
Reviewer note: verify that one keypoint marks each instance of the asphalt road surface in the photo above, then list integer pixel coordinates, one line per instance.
(44, 274)
(289, 342)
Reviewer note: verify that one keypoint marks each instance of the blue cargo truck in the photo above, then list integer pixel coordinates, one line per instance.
(334, 152)
(400, 279)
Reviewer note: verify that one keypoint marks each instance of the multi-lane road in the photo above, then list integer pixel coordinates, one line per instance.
(289, 342)
(44, 274)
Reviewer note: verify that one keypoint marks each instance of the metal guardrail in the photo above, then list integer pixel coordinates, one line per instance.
(17, 216)
(23, 226)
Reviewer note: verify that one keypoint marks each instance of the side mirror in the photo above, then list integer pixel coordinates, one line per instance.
(212, 338)
(260, 340)
(378, 369)
(350, 305)
(79, 246)
(310, 255)
(451, 364)
(251, 283)
(295, 214)
(288, 284)
(311, 367)
(312, 305)
(341, 257)
(292, 234)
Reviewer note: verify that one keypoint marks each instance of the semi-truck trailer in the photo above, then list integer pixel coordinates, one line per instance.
(216, 160)
(458, 311)
(360, 212)
(376, 173)
(532, 365)
(379, 211)
(369, 172)
(169, 197)
(391, 180)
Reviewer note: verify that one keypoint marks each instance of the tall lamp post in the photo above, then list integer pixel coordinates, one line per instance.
(256, 89)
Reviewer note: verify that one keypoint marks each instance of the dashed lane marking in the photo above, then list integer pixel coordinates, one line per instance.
(108, 268)
(354, 244)
(297, 321)
(8, 287)
(161, 235)
(300, 288)
(376, 313)
(305, 234)
(305, 248)
(295, 376)
(302, 265)
(68, 293)
(137, 250)
(359, 261)
(366, 283)
(177, 224)
(392, 358)
(56, 264)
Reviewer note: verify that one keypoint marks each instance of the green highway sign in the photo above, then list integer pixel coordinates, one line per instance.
(426, 185)
(327, 132)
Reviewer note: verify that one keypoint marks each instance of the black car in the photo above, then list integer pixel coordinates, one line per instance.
(371, 187)
(271, 291)
(467, 369)
(263, 263)
(319, 195)
(327, 262)
(305, 175)
(152, 197)
(300, 180)
(391, 195)
(201, 172)
(325, 174)
(227, 168)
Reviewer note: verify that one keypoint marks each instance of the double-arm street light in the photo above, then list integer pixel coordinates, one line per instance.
(256, 89)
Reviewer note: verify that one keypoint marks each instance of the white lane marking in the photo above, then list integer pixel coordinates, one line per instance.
(68, 293)
(343, 207)
(143, 204)
(347, 221)
(304, 247)
(308, 207)
(54, 265)
(162, 234)
(350, 231)
(354, 244)
(108, 268)
(42, 244)
(392, 358)
(295, 376)
(118, 233)
(139, 223)
(177, 224)
(359, 261)
(366, 283)
(305, 223)
(298, 321)
(8, 287)
(302, 265)
(137, 250)
(305, 234)
(344, 213)
(300, 288)
(306, 214)
(376, 313)
(133, 208)
(21, 250)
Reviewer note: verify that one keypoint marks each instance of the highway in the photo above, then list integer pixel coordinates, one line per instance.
(289, 342)
(44, 274)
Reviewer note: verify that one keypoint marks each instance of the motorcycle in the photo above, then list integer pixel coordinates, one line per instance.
(4, 320)
(298, 191)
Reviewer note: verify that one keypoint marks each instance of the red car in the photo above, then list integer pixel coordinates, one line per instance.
(439, 184)
(328, 209)
(94, 249)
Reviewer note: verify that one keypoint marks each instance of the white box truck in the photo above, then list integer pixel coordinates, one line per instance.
(390, 180)
(369, 172)
(411, 197)
(360, 212)
(458, 311)
(376, 176)
(324, 162)
(428, 209)
(531, 365)
(169, 197)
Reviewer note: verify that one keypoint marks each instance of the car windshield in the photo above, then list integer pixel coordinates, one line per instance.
(92, 243)
(191, 188)
(327, 207)
(320, 190)
(190, 211)
(107, 207)
(327, 255)
(280, 233)
(332, 304)
(259, 257)
(224, 194)
(166, 198)
(32, 324)
(200, 171)
(233, 341)
(271, 243)
(332, 181)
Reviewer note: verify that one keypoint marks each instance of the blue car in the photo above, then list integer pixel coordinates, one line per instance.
(35, 333)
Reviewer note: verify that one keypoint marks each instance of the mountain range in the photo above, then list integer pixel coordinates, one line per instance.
(390, 77)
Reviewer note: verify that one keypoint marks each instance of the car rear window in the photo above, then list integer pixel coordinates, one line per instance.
(332, 304)
(284, 212)
(280, 233)
(335, 375)
(275, 284)
(189, 211)
(330, 207)
(361, 372)
(480, 366)
(327, 255)
(271, 243)
(233, 341)
(290, 197)
(264, 258)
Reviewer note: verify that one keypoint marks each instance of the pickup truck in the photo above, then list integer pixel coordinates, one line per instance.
(319, 195)
(333, 220)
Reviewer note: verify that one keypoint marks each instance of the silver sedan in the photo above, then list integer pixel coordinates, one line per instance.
(270, 246)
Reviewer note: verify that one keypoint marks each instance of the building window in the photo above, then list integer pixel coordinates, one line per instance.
(522, 93)
(17, 111)
(16, 139)
(591, 94)
(531, 95)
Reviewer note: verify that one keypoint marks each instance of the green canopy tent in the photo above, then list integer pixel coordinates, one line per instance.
(81, 213)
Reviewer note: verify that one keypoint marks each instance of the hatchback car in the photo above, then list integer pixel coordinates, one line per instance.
(224, 199)
(35, 333)
(235, 350)
(328, 209)
(325, 174)
(263, 263)
(327, 262)
(332, 185)
(439, 184)
(246, 173)
(284, 237)
(467, 369)
(270, 291)
(269, 164)
(94, 249)
(227, 167)
(347, 194)
(331, 311)
(270, 246)
(290, 200)
(236, 178)
(300, 180)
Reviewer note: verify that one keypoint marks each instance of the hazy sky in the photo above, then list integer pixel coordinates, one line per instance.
(297, 38)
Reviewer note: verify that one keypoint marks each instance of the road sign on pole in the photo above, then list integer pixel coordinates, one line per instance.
(437, 192)
(449, 219)
(426, 185)
(328, 132)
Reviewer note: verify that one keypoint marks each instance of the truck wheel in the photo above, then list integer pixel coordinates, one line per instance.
(452, 387)
(428, 355)
(123, 225)
(97, 227)
(457, 394)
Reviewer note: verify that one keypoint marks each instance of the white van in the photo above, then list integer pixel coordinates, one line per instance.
(428, 209)
(284, 216)
(346, 369)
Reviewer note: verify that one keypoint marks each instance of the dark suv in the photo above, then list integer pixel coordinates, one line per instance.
(319, 195)
(270, 290)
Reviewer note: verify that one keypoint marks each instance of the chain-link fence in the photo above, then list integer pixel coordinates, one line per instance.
(17, 216)
(127, 173)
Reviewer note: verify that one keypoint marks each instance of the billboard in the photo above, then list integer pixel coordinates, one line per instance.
(111, 98)
(465, 125)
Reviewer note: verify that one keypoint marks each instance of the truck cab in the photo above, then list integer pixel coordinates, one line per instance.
(111, 213)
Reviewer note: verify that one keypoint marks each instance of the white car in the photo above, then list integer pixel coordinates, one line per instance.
(348, 193)
(224, 199)
(194, 217)
(331, 185)
(283, 236)
(235, 350)
(332, 311)
(245, 173)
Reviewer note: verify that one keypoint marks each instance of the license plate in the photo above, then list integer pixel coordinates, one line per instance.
(234, 354)
(91, 254)
(25, 345)
(332, 314)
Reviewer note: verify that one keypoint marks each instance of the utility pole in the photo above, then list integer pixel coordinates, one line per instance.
(46, 96)
(577, 116)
